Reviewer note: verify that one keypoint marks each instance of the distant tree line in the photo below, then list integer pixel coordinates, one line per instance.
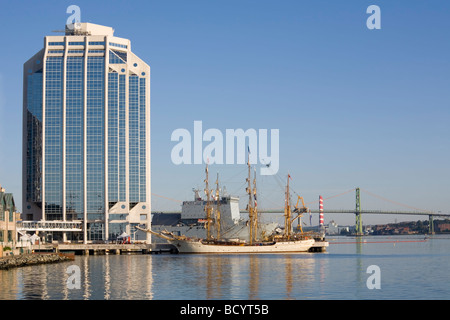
(407, 227)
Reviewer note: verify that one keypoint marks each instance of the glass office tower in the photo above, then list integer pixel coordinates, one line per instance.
(86, 142)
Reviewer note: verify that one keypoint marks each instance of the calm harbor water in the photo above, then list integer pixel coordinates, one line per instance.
(410, 268)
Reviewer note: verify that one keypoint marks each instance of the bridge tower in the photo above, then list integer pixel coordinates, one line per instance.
(431, 225)
(358, 225)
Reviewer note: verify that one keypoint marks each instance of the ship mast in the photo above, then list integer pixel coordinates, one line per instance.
(208, 205)
(251, 210)
(255, 207)
(217, 224)
(287, 212)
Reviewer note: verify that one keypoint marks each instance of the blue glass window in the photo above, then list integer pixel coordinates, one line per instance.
(113, 137)
(133, 134)
(122, 136)
(53, 138)
(137, 139)
(34, 137)
(142, 140)
(74, 137)
(117, 57)
(56, 43)
(116, 229)
(95, 138)
(118, 45)
(96, 231)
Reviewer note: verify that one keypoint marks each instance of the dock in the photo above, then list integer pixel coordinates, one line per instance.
(104, 248)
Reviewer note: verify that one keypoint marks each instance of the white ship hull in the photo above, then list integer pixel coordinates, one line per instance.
(197, 246)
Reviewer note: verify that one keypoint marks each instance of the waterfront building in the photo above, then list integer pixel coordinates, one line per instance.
(8, 219)
(442, 226)
(86, 141)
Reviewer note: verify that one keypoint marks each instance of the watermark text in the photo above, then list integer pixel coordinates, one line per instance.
(230, 149)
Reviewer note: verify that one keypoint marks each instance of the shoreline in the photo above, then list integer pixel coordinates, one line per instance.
(32, 259)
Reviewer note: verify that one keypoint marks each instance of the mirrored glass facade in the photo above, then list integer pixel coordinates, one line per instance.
(53, 138)
(74, 137)
(33, 148)
(86, 135)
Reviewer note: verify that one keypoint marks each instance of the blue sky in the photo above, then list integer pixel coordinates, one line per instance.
(355, 107)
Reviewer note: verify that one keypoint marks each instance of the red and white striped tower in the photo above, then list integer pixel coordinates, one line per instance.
(320, 211)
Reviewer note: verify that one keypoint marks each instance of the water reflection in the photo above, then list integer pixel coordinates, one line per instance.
(9, 280)
(288, 276)
(338, 274)
(253, 283)
(360, 280)
(283, 276)
(85, 275)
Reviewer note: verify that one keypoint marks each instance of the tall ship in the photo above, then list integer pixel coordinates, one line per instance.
(192, 222)
(218, 238)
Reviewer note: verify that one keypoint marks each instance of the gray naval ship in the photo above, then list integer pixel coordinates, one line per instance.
(192, 220)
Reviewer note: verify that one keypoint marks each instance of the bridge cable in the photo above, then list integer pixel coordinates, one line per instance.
(174, 200)
(394, 202)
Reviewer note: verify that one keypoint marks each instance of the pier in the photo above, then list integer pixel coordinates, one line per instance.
(104, 248)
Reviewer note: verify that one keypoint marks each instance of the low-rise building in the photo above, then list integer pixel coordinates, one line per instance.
(332, 228)
(8, 219)
(442, 227)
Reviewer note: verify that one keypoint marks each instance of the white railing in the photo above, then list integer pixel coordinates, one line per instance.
(53, 225)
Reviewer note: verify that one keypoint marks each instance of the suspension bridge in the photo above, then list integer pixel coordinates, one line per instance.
(357, 210)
